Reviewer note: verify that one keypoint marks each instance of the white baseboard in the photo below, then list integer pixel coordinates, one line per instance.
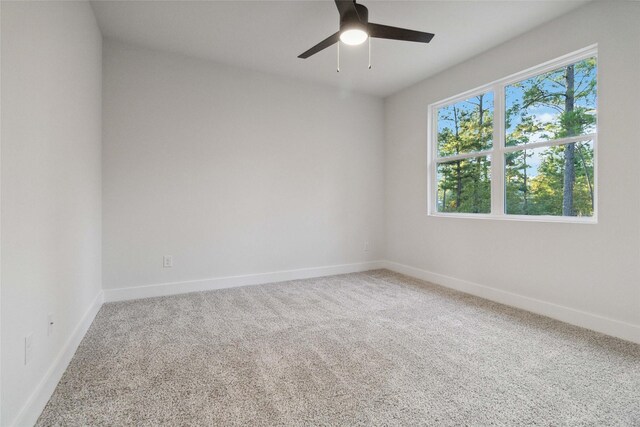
(595, 322)
(37, 401)
(31, 410)
(164, 289)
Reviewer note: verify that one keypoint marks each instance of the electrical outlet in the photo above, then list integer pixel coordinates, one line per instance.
(366, 246)
(50, 324)
(28, 348)
(167, 261)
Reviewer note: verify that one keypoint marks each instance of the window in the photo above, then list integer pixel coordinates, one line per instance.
(523, 147)
(464, 139)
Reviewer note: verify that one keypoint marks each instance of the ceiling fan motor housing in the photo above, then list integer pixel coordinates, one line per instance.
(357, 18)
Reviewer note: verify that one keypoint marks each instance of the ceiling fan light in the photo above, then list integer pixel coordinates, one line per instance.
(353, 36)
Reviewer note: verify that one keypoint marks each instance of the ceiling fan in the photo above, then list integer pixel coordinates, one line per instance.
(355, 28)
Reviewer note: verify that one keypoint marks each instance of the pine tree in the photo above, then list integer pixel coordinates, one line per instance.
(569, 91)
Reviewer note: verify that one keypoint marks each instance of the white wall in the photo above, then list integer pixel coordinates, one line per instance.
(589, 268)
(232, 172)
(51, 191)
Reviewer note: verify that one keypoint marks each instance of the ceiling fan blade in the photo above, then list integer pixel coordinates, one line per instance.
(395, 33)
(345, 6)
(332, 39)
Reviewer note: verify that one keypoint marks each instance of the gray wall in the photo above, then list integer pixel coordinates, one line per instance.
(51, 185)
(592, 269)
(233, 172)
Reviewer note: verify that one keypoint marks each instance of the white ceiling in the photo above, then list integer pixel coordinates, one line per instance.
(269, 35)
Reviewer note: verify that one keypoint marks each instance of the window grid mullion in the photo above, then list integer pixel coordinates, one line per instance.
(433, 164)
(550, 143)
(473, 155)
(497, 160)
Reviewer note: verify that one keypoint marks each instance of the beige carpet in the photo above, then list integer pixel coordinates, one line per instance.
(372, 348)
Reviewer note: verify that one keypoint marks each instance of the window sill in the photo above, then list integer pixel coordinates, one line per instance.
(522, 218)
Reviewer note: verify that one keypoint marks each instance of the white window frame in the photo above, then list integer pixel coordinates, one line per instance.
(499, 149)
